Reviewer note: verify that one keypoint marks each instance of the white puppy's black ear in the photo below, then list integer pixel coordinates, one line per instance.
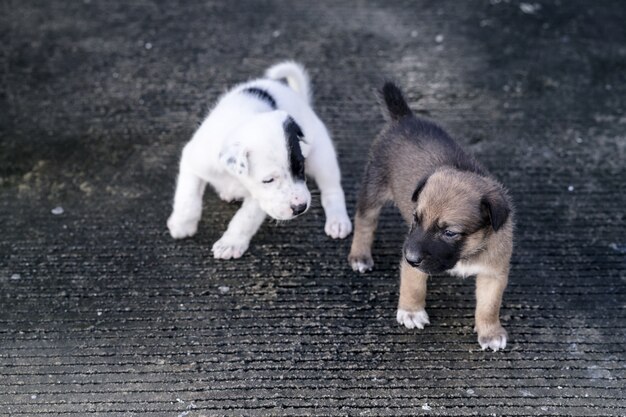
(234, 157)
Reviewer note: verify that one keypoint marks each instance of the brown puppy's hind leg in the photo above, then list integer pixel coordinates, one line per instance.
(365, 223)
(412, 303)
(489, 290)
(372, 197)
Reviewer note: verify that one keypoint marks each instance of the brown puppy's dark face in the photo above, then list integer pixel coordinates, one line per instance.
(455, 214)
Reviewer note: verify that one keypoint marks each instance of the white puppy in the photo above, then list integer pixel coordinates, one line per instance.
(257, 144)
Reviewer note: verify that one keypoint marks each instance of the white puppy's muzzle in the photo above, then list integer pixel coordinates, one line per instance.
(300, 203)
(297, 203)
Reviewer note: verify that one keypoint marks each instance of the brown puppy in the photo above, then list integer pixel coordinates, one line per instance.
(460, 218)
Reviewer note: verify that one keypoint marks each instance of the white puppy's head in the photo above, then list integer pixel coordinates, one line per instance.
(267, 156)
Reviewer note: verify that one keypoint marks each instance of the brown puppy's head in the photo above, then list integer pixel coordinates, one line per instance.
(456, 213)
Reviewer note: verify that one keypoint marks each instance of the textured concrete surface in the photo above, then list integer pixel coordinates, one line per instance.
(102, 313)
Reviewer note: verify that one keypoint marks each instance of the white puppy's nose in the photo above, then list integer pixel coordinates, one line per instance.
(298, 209)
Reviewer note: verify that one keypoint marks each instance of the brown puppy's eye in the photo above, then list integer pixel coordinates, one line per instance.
(450, 234)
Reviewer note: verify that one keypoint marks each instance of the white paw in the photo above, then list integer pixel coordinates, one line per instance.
(181, 228)
(412, 319)
(227, 248)
(494, 339)
(361, 264)
(229, 197)
(338, 226)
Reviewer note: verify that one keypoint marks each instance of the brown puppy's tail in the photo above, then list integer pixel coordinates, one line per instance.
(396, 107)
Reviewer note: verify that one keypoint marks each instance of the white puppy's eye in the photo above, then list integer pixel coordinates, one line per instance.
(268, 180)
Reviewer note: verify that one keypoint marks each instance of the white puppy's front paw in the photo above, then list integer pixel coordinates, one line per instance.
(494, 339)
(338, 226)
(412, 319)
(181, 228)
(227, 248)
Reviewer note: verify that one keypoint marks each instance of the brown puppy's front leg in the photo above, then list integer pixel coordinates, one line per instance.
(411, 312)
(489, 290)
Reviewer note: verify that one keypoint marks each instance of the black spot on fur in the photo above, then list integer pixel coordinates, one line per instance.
(293, 135)
(262, 94)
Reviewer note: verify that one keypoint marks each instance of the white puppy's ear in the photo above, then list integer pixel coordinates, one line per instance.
(234, 157)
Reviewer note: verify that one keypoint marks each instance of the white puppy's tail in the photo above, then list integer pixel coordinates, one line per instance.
(296, 76)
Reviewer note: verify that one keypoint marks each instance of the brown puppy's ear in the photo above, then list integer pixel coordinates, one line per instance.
(418, 189)
(495, 208)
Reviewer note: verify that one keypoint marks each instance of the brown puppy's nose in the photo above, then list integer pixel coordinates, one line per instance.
(413, 257)
(298, 208)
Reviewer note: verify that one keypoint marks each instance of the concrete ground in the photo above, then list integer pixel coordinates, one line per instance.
(102, 313)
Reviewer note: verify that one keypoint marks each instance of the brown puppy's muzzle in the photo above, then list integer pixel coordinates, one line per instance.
(427, 256)
(413, 257)
(417, 257)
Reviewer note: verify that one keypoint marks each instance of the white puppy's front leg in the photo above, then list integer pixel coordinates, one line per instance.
(244, 224)
(183, 221)
(338, 224)
(322, 165)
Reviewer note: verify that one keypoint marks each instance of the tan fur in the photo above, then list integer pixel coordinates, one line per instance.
(451, 197)
(412, 288)
(454, 188)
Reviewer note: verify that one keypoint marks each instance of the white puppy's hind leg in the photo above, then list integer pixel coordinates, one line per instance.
(244, 224)
(323, 167)
(183, 221)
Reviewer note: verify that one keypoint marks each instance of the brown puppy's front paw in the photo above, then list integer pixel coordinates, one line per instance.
(493, 338)
(412, 319)
(361, 263)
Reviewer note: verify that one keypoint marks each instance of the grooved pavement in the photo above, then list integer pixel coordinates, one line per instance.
(102, 313)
